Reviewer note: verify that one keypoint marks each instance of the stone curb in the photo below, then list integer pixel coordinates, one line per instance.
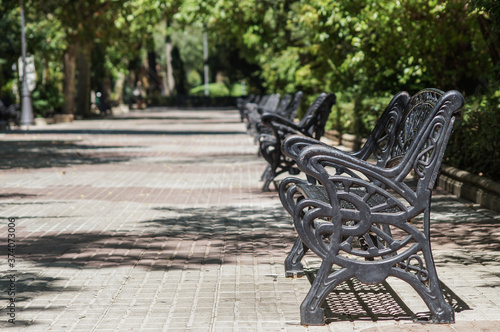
(479, 190)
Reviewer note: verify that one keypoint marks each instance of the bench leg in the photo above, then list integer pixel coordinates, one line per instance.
(270, 175)
(425, 281)
(442, 312)
(264, 174)
(293, 266)
(311, 312)
(430, 291)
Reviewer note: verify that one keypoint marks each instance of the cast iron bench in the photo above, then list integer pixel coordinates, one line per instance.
(287, 108)
(265, 102)
(311, 125)
(242, 102)
(366, 220)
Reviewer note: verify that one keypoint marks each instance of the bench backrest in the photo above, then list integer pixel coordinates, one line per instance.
(283, 104)
(399, 126)
(417, 111)
(314, 121)
(423, 135)
(293, 106)
(272, 102)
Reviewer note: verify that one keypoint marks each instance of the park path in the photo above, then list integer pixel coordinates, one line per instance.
(154, 220)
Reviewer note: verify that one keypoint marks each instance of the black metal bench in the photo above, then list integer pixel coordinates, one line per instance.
(287, 108)
(368, 220)
(242, 102)
(269, 102)
(311, 125)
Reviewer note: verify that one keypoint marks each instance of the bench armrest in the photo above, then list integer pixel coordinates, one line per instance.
(292, 146)
(314, 159)
(276, 121)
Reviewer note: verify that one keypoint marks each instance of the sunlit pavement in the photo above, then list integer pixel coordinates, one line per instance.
(155, 221)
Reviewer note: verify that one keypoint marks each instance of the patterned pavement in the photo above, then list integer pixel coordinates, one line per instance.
(154, 221)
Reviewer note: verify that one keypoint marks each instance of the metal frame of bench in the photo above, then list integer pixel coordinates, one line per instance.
(311, 125)
(287, 108)
(360, 217)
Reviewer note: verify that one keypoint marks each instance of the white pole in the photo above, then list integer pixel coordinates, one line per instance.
(27, 109)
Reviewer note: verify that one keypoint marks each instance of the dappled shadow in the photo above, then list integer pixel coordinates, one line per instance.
(57, 153)
(454, 222)
(27, 287)
(185, 238)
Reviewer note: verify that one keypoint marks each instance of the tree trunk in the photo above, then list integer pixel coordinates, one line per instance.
(106, 89)
(70, 79)
(118, 88)
(83, 97)
(153, 77)
(168, 56)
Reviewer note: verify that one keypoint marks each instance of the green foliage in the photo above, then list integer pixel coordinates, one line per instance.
(194, 78)
(10, 45)
(475, 146)
(47, 99)
(215, 90)
(7, 91)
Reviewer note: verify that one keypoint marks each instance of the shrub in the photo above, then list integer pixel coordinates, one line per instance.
(47, 99)
(215, 90)
(475, 143)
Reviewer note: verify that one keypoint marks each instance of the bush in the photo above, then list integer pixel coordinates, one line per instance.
(475, 144)
(194, 78)
(215, 90)
(47, 99)
(343, 115)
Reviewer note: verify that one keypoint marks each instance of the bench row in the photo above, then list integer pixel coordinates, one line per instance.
(365, 220)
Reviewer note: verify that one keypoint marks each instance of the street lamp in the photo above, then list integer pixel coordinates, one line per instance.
(26, 108)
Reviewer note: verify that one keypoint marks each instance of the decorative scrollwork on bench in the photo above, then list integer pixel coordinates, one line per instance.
(357, 216)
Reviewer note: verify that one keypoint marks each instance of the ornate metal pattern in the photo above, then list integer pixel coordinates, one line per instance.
(359, 218)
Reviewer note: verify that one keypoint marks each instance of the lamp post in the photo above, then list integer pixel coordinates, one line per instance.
(26, 108)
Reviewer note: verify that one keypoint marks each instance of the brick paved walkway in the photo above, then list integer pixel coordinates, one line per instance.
(155, 221)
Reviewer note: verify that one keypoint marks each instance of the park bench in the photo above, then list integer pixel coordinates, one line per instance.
(372, 220)
(287, 108)
(241, 103)
(311, 125)
(253, 112)
(265, 102)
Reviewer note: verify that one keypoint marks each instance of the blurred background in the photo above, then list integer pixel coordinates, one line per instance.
(86, 57)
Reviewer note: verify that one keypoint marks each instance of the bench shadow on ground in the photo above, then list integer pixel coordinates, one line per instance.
(355, 301)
